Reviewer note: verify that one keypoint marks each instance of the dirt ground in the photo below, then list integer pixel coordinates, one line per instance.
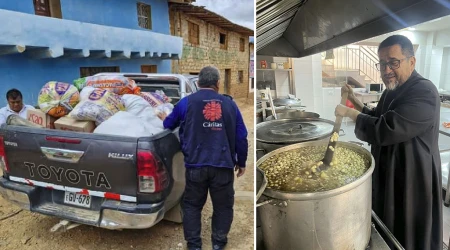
(27, 230)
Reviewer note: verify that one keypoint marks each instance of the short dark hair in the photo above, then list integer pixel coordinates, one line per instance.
(13, 94)
(403, 41)
(208, 76)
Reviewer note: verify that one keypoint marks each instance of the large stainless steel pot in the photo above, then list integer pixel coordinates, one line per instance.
(286, 102)
(275, 134)
(339, 219)
(280, 110)
(294, 114)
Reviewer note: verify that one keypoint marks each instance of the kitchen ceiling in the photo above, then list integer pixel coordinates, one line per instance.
(298, 28)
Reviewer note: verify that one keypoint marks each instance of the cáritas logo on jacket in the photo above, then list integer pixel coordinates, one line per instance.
(212, 113)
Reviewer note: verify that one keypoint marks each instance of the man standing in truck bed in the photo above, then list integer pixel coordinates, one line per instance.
(213, 139)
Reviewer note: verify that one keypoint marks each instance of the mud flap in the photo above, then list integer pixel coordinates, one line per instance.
(175, 214)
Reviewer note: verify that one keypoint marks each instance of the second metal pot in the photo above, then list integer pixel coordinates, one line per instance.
(275, 134)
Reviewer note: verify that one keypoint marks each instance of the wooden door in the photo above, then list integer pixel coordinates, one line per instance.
(42, 7)
(149, 69)
(227, 82)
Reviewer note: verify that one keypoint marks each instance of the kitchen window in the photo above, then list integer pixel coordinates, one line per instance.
(144, 12)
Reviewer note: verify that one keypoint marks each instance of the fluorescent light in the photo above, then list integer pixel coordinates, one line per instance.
(411, 29)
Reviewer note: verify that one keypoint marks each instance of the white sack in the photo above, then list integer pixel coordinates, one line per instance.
(126, 124)
(164, 108)
(134, 104)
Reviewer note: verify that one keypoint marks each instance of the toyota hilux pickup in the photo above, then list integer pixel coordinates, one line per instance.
(107, 181)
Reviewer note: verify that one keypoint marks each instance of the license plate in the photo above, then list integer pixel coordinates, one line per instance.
(81, 200)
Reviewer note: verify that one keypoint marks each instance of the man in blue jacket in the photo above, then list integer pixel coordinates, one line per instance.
(213, 139)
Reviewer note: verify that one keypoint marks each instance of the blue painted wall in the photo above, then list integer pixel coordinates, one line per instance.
(27, 75)
(117, 13)
(14, 5)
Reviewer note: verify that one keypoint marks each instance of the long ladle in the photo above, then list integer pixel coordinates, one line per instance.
(332, 143)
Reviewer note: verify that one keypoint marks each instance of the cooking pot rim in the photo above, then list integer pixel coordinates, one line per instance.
(264, 123)
(289, 196)
(311, 115)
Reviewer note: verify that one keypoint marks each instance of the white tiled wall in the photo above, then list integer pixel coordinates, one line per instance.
(282, 81)
(308, 82)
(420, 59)
(445, 70)
(331, 98)
(281, 78)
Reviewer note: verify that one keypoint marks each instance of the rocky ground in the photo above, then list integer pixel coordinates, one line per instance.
(26, 230)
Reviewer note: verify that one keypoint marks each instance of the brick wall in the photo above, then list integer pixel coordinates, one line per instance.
(208, 52)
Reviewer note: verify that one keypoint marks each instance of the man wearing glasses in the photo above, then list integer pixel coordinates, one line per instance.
(403, 131)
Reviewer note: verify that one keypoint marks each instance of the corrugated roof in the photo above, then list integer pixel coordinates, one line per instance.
(211, 17)
(272, 19)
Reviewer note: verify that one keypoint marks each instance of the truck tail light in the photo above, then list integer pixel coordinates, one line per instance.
(3, 161)
(152, 174)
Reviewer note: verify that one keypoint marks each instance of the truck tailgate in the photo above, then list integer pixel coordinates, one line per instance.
(101, 165)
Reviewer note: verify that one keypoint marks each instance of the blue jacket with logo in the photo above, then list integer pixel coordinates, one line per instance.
(212, 131)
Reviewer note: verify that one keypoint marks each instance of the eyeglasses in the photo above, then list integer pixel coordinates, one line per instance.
(394, 64)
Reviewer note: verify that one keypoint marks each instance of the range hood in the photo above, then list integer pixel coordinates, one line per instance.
(298, 28)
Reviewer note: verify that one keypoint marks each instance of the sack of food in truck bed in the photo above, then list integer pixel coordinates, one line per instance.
(155, 98)
(127, 124)
(117, 84)
(150, 118)
(97, 105)
(166, 108)
(138, 106)
(134, 104)
(57, 99)
(164, 96)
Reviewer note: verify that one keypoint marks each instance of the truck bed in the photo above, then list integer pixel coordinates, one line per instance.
(104, 164)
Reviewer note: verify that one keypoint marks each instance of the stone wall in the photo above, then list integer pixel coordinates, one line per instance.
(208, 52)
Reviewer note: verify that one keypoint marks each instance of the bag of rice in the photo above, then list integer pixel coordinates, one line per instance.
(57, 99)
(97, 105)
(116, 84)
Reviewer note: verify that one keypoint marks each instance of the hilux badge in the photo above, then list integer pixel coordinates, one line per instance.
(120, 156)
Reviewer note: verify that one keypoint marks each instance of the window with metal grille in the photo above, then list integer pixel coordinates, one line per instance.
(90, 71)
(194, 33)
(144, 12)
(241, 44)
(240, 76)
